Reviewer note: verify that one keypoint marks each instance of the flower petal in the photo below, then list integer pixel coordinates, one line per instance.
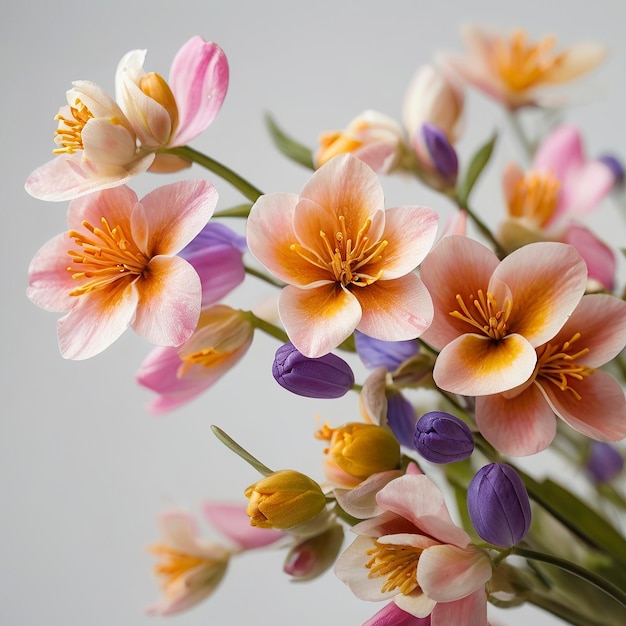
(560, 152)
(579, 59)
(360, 502)
(469, 611)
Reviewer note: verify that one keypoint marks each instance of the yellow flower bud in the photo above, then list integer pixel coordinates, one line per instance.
(283, 500)
(358, 450)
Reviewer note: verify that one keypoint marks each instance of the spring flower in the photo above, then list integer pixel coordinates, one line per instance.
(416, 556)
(327, 376)
(283, 500)
(179, 374)
(490, 315)
(312, 556)
(357, 450)
(103, 143)
(565, 382)
(348, 262)
(604, 463)
(116, 267)
(517, 72)
(443, 438)
(498, 505)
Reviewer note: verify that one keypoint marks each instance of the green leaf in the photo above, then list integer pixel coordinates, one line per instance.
(477, 165)
(288, 146)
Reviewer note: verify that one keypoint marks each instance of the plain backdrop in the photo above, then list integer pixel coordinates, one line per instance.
(84, 469)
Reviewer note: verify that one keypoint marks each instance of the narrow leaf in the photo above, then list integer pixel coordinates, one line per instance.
(288, 146)
(477, 165)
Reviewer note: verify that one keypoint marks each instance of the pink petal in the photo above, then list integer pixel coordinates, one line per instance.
(512, 174)
(318, 320)
(392, 615)
(469, 611)
(180, 531)
(518, 426)
(115, 205)
(579, 59)
(220, 269)
(394, 310)
(585, 188)
(560, 153)
(108, 144)
(360, 502)
(199, 81)
(379, 155)
(372, 399)
(182, 601)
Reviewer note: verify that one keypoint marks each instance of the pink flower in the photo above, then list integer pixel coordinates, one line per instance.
(515, 71)
(116, 267)
(190, 568)
(178, 375)
(416, 556)
(491, 315)
(102, 144)
(348, 262)
(565, 382)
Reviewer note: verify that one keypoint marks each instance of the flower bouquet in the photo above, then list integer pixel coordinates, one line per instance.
(483, 344)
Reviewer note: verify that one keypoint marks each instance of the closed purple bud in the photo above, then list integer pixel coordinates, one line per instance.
(443, 438)
(604, 462)
(616, 167)
(498, 505)
(378, 353)
(441, 152)
(327, 376)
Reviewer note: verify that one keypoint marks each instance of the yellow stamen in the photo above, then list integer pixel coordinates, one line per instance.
(69, 133)
(207, 357)
(174, 564)
(105, 259)
(347, 257)
(397, 564)
(535, 197)
(555, 364)
(485, 317)
(522, 65)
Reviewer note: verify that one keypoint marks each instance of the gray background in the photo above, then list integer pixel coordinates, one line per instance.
(84, 470)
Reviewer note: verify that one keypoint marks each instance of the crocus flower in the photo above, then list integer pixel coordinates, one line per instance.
(116, 267)
(348, 262)
(103, 143)
(180, 374)
(190, 568)
(565, 382)
(443, 438)
(490, 315)
(515, 71)
(416, 556)
(498, 505)
(328, 376)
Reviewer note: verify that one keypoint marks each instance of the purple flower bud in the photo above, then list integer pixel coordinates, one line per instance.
(400, 417)
(498, 505)
(604, 462)
(378, 353)
(616, 167)
(325, 377)
(441, 153)
(443, 438)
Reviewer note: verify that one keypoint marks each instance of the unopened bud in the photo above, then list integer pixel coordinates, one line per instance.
(604, 463)
(314, 555)
(443, 438)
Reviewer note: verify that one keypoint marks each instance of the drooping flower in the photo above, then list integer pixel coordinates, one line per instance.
(103, 143)
(190, 568)
(180, 374)
(566, 383)
(518, 72)
(117, 266)
(416, 556)
(348, 262)
(490, 315)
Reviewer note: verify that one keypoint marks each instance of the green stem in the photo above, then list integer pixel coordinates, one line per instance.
(527, 145)
(266, 327)
(241, 210)
(588, 576)
(241, 184)
(262, 276)
(566, 613)
(241, 452)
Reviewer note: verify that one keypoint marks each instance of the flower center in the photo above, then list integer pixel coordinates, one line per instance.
(535, 197)
(485, 315)
(398, 564)
(344, 258)
(174, 564)
(105, 258)
(556, 364)
(207, 357)
(69, 133)
(521, 65)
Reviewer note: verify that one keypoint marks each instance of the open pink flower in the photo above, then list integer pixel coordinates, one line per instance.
(517, 72)
(191, 569)
(491, 315)
(415, 555)
(116, 267)
(348, 262)
(565, 382)
(103, 143)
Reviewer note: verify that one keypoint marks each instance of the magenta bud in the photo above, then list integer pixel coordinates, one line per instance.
(327, 376)
(498, 505)
(443, 438)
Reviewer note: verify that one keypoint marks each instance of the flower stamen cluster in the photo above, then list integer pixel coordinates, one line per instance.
(397, 563)
(535, 197)
(487, 318)
(69, 133)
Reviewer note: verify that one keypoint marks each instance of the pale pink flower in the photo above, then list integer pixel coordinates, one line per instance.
(415, 555)
(190, 568)
(180, 374)
(102, 144)
(116, 267)
(565, 382)
(490, 315)
(518, 72)
(348, 262)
